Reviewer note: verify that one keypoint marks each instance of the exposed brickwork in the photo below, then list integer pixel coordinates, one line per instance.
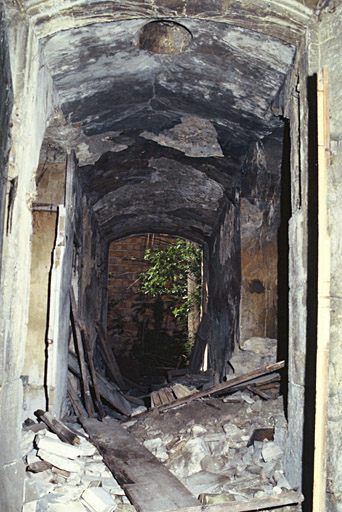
(126, 262)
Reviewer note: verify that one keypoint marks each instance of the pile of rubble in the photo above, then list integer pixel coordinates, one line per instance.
(62, 477)
(222, 448)
(221, 451)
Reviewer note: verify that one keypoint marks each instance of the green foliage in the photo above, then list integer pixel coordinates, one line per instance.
(168, 275)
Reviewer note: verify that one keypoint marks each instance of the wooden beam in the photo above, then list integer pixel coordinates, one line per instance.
(251, 505)
(76, 402)
(89, 354)
(323, 307)
(109, 358)
(57, 426)
(79, 345)
(106, 389)
(226, 385)
(150, 486)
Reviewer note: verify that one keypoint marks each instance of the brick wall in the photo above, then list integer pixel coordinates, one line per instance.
(126, 262)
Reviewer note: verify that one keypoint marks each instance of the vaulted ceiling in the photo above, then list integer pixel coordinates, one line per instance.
(167, 95)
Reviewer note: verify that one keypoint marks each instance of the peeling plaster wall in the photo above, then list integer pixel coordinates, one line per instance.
(58, 333)
(224, 278)
(34, 98)
(43, 237)
(50, 179)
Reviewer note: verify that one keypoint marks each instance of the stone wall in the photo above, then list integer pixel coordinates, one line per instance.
(321, 47)
(34, 99)
(328, 53)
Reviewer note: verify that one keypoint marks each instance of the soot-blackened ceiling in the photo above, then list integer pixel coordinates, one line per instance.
(228, 75)
(168, 98)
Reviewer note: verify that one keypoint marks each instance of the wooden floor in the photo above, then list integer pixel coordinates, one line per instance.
(149, 485)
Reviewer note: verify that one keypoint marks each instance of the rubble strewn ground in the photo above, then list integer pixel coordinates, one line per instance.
(213, 446)
(205, 443)
(72, 477)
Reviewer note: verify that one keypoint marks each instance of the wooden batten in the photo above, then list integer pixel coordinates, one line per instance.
(323, 311)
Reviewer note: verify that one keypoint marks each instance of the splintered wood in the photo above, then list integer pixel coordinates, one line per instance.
(230, 385)
(83, 368)
(106, 389)
(170, 394)
(64, 433)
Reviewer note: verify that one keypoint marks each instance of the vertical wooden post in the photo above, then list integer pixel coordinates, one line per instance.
(323, 312)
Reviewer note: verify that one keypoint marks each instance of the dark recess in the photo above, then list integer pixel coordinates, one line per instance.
(283, 259)
(311, 340)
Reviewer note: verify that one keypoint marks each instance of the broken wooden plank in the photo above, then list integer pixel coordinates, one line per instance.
(251, 505)
(169, 394)
(134, 399)
(89, 355)
(256, 391)
(79, 346)
(164, 399)
(181, 391)
(62, 431)
(113, 397)
(107, 391)
(150, 486)
(254, 382)
(109, 358)
(176, 373)
(76, 402)
(155, 400)
(226, 385)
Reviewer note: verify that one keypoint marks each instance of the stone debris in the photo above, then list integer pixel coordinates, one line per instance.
(99, 499)
(206, 447)
(70, 506)
(253, 353)
(72, 478)
(221, 451)
(69, 451)
(204, 444)
(60, 462)
(138, 410)
(271, 451)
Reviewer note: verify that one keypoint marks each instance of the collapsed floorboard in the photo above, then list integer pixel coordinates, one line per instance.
(149, 485)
